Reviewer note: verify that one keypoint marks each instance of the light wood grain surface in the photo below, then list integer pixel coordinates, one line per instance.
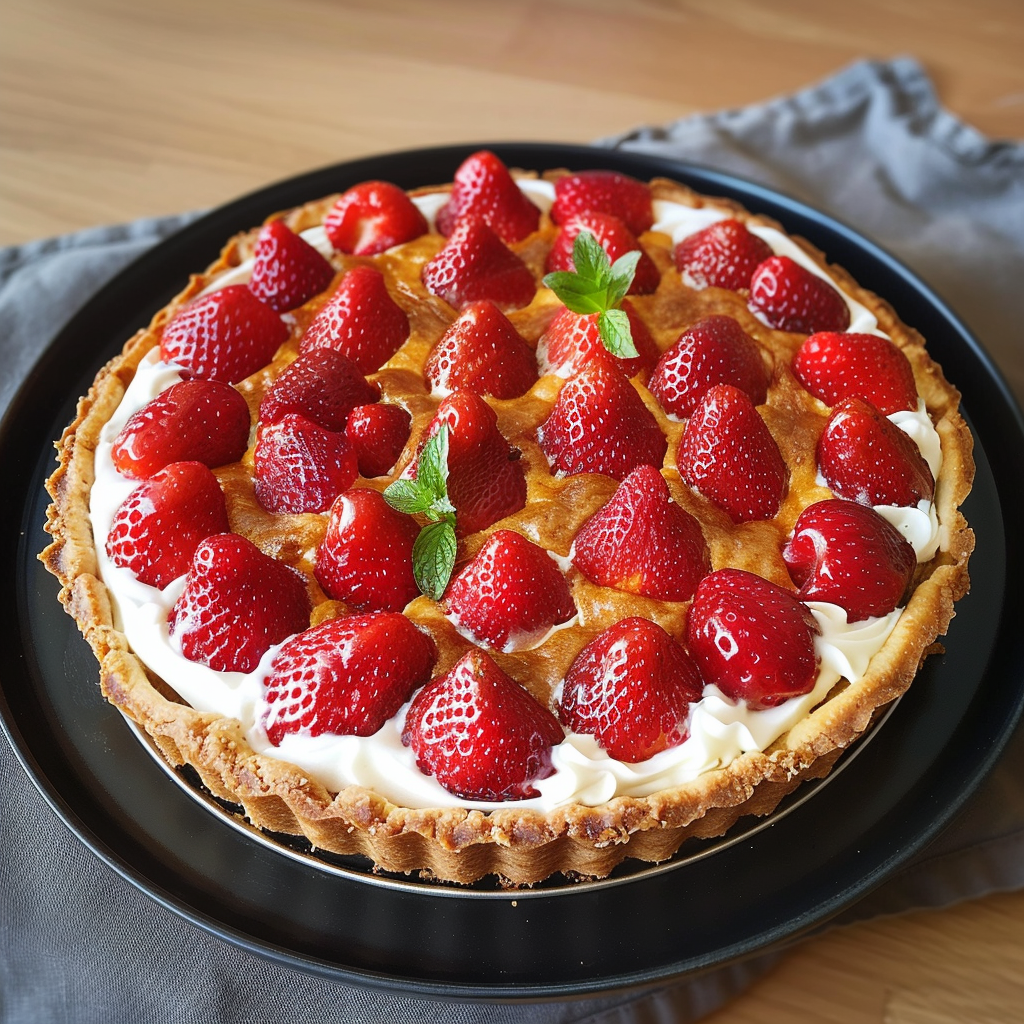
(112, 110)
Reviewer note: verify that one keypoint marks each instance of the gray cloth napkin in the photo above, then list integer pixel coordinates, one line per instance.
(870, 146)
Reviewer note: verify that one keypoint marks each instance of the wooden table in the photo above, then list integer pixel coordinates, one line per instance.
(112, 110)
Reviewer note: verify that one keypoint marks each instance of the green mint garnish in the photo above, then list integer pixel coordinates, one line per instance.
(599, 286)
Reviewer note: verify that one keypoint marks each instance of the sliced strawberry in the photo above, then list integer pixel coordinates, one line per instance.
(287, 271)
(347, 676)
(835, 366)
(361, 320)
(715, 350)
(604, 192)
(203, 421)
(323, 385)
(728, 455)
(480, 734)
(865, 457)
(476, 264)
(790, 298)
(631, 689)
(237, 603)
(300, 467)
(642, 542)
(574, 339)
(371, 217)
(157, 528)
(510, 594)
(723, 255)
(482, 352)
(378, 434)
(484, 188)
(752, 639)
(365, 557)
(599, 424)
(615, 238)
(847, 554)
(226, 335)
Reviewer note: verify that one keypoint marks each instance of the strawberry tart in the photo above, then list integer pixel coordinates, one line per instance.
(513, 526)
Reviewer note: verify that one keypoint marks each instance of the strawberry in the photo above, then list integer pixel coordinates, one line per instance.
(847, 554)
(789, 297)
(287, 271)
(865, 457)
(751, 638)
(365, 557)
(378, 435)
(300, 467)
(510, 595)
(225, 335)
(642, 542)
(360, 320)
(371, 217)
(203, 421)
(157, 528)
(573, 339)
(237, 603)
(631, 689)
(482, 352)
(604, 192)
(599, 424)
(723, 255)
(476, 264)
(715, 350)
(835, 366)
(346, 677)
(728, 455)
(615, 238)
(480, 734)
(484, 188)
(323, 385)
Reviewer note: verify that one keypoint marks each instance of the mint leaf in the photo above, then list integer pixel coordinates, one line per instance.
(433, 557)
(613, 326)
(589, 259)
(620, 277)
(432, 467)
(407, 496)
(576, 293)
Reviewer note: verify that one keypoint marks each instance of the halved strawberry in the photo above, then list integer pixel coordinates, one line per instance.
(714, 350)
(865, 457)
(225, 335)
(751, 638)
(371, 217)
(365, 557)
(347, 676)
(378, 434)
(476, 264)
(157, 528)
(723, 255)
(835, 366)
(574, 339)
(642, 542)
(482, 352)
(631, 689)
(287, 271)
(484, 188)
(847, 554)
(728, 455)
(615, 238)
(510, 594)
(790, 298)
(599, 424)
(361, 320)
(298, 466)
(237, 603)
(323, 385)
(203, 421)
(480, 734)
(604, 192)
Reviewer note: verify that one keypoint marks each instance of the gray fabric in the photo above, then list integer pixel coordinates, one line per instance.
(871, 146)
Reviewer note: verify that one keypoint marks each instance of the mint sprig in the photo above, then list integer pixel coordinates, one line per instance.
(598, 286)
(433, 554)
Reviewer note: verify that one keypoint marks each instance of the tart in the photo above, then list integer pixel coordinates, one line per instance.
(514, 526)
